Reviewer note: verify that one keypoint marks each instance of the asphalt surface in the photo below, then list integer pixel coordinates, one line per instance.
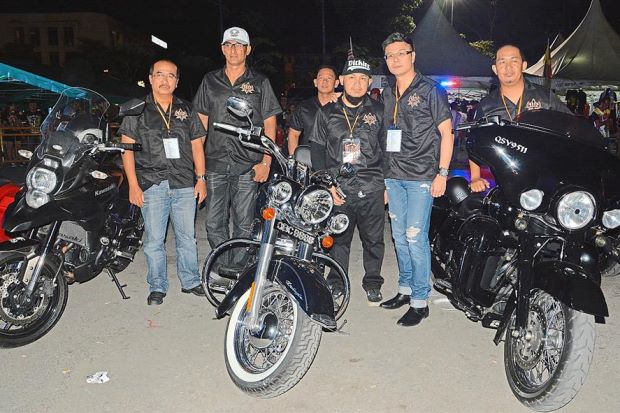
(169, 358)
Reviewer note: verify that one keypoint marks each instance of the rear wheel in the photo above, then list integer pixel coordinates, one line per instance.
(271, 362)
(26, 319)
(547, 366)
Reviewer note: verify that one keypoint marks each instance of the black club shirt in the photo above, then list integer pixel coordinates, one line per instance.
(224, 152)
(330, 131)
(149, 129)
(421, 109)
(303, 118)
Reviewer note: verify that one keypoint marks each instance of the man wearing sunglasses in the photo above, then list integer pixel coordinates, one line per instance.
(233, 171)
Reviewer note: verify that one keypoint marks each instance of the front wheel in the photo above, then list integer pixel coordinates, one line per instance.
(26, 319)
(271, 362)
(547, 366)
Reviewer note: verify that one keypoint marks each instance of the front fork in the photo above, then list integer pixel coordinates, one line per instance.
(265, 254)
(35, 263)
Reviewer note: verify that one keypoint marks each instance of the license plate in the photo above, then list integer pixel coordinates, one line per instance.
(294, 232)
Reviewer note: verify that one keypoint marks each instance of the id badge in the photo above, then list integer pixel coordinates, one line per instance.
(394, 137)
(351, 152)
(171, 147)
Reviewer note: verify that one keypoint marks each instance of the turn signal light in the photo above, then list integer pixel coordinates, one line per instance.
(269, 214)
(327, 242)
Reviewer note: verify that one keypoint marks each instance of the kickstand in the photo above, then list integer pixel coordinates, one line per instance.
(339, 329)
(120, 287)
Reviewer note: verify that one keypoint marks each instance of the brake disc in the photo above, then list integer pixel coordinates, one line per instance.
(12, 309)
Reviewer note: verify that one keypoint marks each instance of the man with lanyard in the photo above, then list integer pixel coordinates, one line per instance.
(350, 131)
(513, 96)
(303, 118)
(233, 171)
(161, 179)
(419, 145)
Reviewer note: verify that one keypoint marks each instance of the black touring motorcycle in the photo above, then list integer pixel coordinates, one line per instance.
(280, 302)
(526, 259)
(72, 215)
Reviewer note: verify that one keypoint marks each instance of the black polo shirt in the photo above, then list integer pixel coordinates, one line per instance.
(534, 97)
(331, 129)
(421, 109)
(303, 118)
(149, 129)
(224, 152)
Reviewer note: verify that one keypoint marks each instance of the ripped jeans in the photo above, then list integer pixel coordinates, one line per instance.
(410, 204)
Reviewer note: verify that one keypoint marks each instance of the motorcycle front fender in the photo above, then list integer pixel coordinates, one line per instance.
(570, 284)
(300, 278)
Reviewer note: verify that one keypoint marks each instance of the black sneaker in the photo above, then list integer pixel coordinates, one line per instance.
(337, 290)
(374, 296)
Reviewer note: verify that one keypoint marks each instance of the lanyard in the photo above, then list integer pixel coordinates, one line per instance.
(163, 116)
(506, 106)
(349, 122)
(396, 105)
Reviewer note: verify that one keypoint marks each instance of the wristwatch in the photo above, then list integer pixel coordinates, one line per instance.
(443, 171)
(201, 177)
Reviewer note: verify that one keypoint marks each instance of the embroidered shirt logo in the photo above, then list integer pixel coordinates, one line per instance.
(414, 100)
(533, 104)
(180, 114)
(370, 119)
(247, 88)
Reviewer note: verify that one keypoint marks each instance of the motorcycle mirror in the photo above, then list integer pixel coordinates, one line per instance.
(347, 170)
(25, 153)
(239, 106)
(133, 107)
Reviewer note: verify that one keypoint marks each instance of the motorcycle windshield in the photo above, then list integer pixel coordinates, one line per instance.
(545, 150)
(75, 121)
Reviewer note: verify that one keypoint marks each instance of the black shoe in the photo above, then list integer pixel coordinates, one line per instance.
(336, 289)
(413, 316)
(229, 272)
(197, 290)
(398, 301)
(374, 296)
(155, 298)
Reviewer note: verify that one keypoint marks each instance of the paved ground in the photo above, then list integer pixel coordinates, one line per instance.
(170, 358)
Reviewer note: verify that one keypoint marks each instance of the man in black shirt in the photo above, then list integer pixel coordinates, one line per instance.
(233, 171)
(161, 179)
(513, 96)
(350, 130)
(418, 150)
(303, 118)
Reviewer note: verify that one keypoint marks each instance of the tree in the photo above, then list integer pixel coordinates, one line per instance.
(486, 47)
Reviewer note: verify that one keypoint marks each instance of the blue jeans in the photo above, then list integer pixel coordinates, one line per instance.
(160, 204)
(410, 205)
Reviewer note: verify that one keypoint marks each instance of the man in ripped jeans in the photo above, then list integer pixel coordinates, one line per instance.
(417, 155)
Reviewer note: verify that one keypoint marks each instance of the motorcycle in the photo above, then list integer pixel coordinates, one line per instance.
(72, 216)
(280, 302)
(526, 258)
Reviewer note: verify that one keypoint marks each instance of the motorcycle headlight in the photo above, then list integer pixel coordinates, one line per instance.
(41, 179)
(530, 200)
(611, 219)
(36, 199)
(315, 206)
(576, 210)
(281, 192)
(338, 223)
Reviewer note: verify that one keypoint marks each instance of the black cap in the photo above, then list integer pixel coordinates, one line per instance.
(356, 66)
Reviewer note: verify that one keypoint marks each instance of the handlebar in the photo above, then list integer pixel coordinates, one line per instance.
(116, 147)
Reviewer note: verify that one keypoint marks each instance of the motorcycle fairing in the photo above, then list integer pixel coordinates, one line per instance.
(570, 284)
(300, 278)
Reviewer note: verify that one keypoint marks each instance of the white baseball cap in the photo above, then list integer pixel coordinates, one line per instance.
(237, 34)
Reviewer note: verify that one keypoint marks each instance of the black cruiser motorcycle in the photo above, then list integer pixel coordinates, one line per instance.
(526, 259)
(72, 215)
(280, 302)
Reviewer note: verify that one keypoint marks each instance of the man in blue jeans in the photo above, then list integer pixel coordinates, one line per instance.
(418, 150)
(233, 171)
(161, 179)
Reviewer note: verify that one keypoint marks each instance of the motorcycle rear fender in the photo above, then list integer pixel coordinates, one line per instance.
(300, 278)
(570, 284)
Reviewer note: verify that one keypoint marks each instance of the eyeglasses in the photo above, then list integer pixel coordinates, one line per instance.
(161, 75)
(399, 54)
(237, 46)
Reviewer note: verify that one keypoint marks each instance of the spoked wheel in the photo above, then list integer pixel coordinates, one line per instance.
(272, 361)
(547, 365)
(25, 319)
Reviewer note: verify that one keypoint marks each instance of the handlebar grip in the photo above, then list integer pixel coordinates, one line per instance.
(126, 146)
(227, 127)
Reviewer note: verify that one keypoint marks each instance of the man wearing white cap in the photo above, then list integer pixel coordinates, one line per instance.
(233, 172)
